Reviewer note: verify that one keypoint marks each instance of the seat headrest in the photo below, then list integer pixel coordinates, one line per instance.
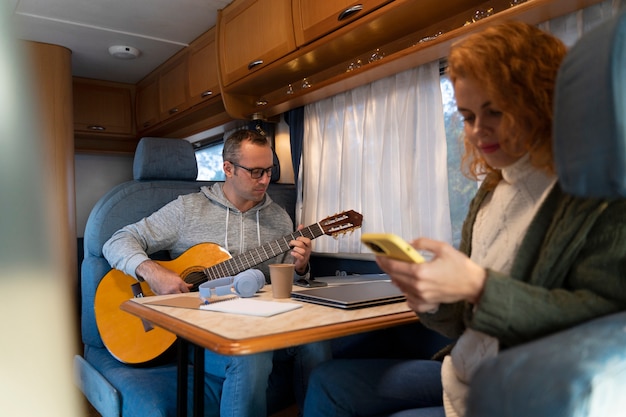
(590, 113)
(165, 159)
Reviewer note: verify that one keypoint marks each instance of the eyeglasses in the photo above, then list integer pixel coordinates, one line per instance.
(256, 173)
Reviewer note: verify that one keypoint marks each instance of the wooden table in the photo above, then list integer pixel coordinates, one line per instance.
(233, 334)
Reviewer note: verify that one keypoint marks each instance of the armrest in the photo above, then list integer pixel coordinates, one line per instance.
(577, 372)
(103, 396)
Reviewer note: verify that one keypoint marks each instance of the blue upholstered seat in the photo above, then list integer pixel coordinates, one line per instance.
(580, 371)
(162, 169)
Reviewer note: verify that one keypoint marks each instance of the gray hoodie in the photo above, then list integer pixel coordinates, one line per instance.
(205, 216)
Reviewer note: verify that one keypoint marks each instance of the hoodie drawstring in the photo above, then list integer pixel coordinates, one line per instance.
(258, 229)
(226, 237)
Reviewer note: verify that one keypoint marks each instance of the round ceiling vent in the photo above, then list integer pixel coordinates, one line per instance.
(124, 52)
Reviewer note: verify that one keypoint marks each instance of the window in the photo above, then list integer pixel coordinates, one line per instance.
(460, 188)
(210, 162)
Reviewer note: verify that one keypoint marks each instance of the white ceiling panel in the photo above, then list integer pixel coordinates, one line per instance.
(177, 21)
(158, 28)
(90, 49)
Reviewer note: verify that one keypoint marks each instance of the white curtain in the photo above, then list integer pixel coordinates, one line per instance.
(380, 150)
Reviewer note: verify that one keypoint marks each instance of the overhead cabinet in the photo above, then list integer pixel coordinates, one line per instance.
(147, 103)
(253, 34)
(103, 116)
(174, 86)
(102, 108)
(313, 19)
(203, 79)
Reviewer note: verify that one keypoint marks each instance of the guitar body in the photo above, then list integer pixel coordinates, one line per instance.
(124, 334)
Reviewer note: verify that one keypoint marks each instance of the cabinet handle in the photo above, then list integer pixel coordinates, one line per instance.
(349, 12)
(255, 63)
(97, 128)
(174, 110)
(206, 94)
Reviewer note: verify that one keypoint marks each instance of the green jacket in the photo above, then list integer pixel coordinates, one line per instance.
(571, 267)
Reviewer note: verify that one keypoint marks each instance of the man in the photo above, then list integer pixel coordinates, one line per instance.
(239, 216)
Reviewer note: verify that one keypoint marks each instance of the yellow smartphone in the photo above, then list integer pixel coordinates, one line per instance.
(393, 246)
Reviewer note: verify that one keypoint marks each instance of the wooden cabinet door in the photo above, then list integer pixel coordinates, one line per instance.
(203, 79)
(313, 19)
(173, 87)
(102, 108)
(147, 103)
(253, 34)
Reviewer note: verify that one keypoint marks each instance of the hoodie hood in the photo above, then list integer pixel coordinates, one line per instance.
(216, 194)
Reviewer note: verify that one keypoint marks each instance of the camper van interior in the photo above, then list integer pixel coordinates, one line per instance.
(124, 105)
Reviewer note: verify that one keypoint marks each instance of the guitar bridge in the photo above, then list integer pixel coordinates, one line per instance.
(138, 293)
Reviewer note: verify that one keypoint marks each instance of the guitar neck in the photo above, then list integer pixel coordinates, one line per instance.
(247, 260)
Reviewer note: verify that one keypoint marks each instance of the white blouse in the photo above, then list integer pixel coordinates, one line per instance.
(500, 226)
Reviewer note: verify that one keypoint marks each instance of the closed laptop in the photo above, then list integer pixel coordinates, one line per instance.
(350, 296)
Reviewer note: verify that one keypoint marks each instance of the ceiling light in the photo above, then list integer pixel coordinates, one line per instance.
(124, 52)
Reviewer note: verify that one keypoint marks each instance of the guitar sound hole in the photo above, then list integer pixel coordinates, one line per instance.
(196, 278)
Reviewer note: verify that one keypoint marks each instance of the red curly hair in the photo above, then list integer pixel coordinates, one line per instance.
(517, 64)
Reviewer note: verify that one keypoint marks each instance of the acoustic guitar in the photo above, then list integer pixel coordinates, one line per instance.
(134, 341)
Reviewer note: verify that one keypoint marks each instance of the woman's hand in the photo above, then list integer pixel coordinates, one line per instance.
(450, 276)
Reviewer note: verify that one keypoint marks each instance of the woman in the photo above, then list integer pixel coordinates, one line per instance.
(532, 260)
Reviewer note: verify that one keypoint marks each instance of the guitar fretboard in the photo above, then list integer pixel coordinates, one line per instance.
(247, 260)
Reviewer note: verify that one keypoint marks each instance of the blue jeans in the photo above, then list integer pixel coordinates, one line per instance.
(375, 387)
(245, 378)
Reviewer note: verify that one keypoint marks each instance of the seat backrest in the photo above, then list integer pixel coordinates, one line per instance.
(590, 113)
(163, 169)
